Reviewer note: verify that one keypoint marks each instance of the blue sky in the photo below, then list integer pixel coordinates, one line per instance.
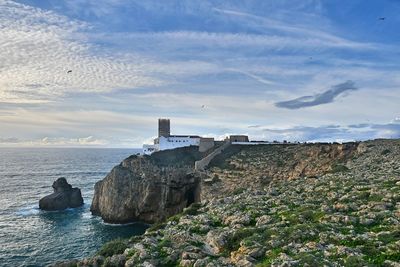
(304, 70)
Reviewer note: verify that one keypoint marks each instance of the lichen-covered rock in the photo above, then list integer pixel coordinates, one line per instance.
(64, 197)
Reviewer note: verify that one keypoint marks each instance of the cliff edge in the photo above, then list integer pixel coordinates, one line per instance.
(148, 188)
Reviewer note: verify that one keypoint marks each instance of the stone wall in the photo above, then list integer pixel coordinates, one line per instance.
(206, 144)
(203, 163)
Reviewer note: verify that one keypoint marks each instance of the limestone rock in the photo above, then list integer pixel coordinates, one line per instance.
(144, 189)
(64, 197)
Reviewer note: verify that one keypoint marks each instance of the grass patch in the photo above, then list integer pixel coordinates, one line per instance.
(238, 191)
(113, 247)
(272, 254)
(379, 258)
(192, 209)
(233, 241)
(339, 168)
(196, 229)
(157, 226)
(312, 216)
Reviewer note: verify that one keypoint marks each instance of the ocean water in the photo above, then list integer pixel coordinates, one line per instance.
(31, 237)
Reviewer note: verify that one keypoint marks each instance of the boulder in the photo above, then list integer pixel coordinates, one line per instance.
(64, 197)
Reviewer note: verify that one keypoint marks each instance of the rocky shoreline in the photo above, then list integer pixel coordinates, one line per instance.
(305, 205)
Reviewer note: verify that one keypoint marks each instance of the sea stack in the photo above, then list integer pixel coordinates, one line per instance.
(64, 197)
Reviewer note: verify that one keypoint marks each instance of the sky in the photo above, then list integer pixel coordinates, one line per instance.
(100, 73)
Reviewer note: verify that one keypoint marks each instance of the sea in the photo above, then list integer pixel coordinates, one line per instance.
(31, 237)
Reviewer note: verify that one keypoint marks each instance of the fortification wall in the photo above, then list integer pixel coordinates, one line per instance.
(206, 144)
(203, 163)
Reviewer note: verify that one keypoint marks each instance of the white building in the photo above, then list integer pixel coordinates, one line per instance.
(166, 141)
(175, 141)
(171, 142)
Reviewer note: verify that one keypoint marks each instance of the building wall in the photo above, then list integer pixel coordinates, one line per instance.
(206, 144)
(149, 149)
(164, 128)
(238, 138)
(175, 142)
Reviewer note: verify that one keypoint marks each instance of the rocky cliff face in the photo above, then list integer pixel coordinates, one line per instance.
(148, 188)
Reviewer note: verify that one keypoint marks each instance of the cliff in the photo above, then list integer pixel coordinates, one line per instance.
(347, 216)
(148, 188)
(152, 188)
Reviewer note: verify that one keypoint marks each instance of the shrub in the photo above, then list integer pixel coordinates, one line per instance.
(113, 247)
(238, 191)
(234, 240)
(157, 226)
(385, 152)
(354, 261)
(339, 168)
(192, 209)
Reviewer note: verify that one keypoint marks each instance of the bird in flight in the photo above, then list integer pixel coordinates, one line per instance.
(69, 71)
(203, 106)
(382, 18)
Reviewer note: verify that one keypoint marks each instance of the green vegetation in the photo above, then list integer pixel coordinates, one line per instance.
(234, 240)
(336, 168)
(238, 191)
(192, 209)
(157, 226)
(113, 247)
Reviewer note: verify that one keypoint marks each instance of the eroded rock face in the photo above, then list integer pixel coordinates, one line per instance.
(64, 197)
(142, 189)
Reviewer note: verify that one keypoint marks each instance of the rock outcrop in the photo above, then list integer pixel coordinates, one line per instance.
(148, 188)
(64, 197)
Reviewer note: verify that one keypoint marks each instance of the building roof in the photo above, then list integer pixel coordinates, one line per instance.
(187, 136)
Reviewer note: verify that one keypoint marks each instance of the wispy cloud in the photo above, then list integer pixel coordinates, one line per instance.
(253, 76)
(301, 32)
(318, 99)
(38, 48)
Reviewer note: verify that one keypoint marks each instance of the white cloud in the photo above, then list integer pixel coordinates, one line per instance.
(56, 142)
(38, 48)
(302, 32)
(224, 40)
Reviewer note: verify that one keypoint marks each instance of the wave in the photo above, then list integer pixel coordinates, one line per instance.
(34, 210)
(29, 210)
(123, 224)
